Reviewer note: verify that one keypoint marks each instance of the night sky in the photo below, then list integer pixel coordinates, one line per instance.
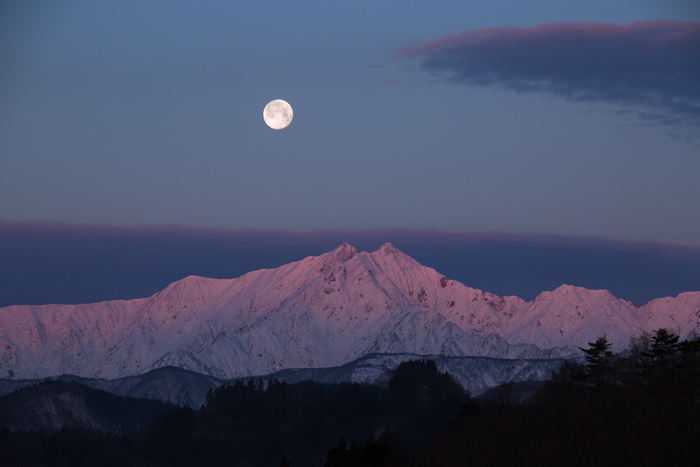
(576, 120)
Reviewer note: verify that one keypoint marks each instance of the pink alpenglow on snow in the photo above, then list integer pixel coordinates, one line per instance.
(321, 311)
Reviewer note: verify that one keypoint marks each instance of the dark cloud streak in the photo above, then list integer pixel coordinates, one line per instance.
(43, 263)
(651, 69)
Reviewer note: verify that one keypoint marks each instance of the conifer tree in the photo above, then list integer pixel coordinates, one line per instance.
(664, 344)
(598, 355)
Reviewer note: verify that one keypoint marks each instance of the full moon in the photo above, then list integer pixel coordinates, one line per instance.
(278, 114)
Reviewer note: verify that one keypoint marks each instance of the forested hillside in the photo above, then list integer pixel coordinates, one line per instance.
(640, 407)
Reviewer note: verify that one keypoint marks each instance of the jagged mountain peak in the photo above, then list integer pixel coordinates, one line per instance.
(583, 292)
(569, 293)
(345, 252)
(342, 254)
(323, 310)
(389, 249)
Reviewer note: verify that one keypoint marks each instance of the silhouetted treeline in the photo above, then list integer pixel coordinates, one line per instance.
(262, 423)
(50, 405)
(638, 408)
(641, 407)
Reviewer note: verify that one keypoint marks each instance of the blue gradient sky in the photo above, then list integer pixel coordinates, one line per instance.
(136, 112)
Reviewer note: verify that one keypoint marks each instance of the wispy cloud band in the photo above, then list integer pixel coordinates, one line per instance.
(58, 263)
(649, 68)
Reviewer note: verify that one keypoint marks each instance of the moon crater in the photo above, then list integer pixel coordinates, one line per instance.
(278, 114)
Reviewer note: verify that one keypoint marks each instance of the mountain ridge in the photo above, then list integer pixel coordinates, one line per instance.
(320, 311)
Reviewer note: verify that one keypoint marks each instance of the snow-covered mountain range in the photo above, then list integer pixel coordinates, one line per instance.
(322, 311)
